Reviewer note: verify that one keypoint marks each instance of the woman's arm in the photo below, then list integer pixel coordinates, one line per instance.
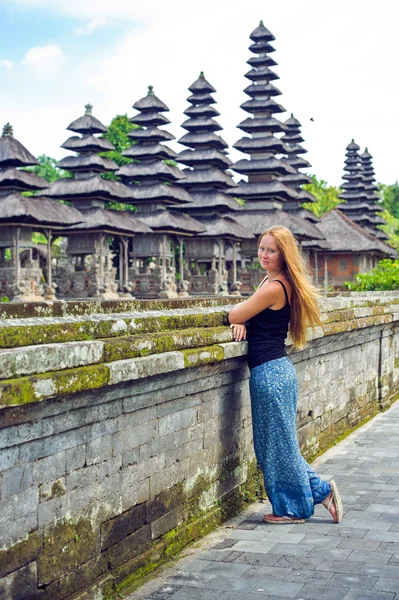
(264, 297)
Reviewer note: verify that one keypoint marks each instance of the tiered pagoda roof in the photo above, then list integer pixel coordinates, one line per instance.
(273, 182)
(87, 190)
(32, 211)
(360, 203)
(206, 177)
(152, 178)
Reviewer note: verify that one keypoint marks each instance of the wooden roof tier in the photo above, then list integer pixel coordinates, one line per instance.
(200, 140)
(261, 89)
(150, 150)
(150, 103)
(38, 212)
(261, 125)
(12, 152)
(224, 227)
(262, 47)
(172, 222)
(87, 162)
(200, 98)
(370, 186)
(92, 187)
(201, 85)
(165, 194)
(156, 171)
(344, 235)
(262, 106)
(201, 123)
(12, 179)
(202, 110)
(261, 74)
(212, 202)
(212, 178)
(262, 61)
(273, 166)
(261, 145)
(211, 157)
(264, 190)
(88, 143)
(152, 135)
(113, 222)
(87, 125)
(261, 33)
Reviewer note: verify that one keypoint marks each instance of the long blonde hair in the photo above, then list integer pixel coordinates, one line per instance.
(304, 307)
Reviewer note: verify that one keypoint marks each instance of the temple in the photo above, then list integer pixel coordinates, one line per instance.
(21, 275)
(152, 182)
(88, 269)
(267, 192)
(208, 182)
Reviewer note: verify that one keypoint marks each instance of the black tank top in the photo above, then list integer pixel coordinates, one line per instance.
(266, 333)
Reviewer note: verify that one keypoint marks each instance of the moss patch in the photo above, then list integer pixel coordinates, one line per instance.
(202, 356)
(47, 385)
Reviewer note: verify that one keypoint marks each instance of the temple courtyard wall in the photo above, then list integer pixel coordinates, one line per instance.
(125, 429)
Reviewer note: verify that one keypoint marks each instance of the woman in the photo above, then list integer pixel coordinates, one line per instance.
(285, 297)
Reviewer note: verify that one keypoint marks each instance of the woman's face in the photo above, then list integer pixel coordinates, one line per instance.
(269, 255)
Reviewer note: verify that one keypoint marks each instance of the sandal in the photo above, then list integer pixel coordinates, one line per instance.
(275, 520)
(336, 498)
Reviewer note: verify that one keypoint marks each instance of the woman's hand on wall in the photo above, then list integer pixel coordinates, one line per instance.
(239, 331)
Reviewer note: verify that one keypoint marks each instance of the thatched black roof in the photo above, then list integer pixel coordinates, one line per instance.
(87, 162)
(257, 221)
(201, 124)
(273, 166)
(93, 187)
(17, 179)
(370, 186)
(12, 152)
(201, 85)
(212, 202)
(297, 162)
(212, 177)
(87, 124)
(173, 222)
(261, 73)
(253, 106)
(208, 139)
(261, 61)
(154, 135)
(261, 125)
(262, 47)
(346, 236)
(296, 179)
(202, 110)
(155, 150)
(266, 190)
(110, 221)
(204, 157)
(259, 145)
(156, 170)
(149, 119)
(165, 194)
(226, 227)
(261, 90)
(262, 33)
(88, 143)
(150, 103)
(200, 98)
(40, 212)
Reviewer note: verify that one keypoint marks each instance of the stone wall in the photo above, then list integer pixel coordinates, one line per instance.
(125, 429)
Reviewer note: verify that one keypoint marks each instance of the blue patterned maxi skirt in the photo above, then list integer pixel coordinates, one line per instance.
(291, 486)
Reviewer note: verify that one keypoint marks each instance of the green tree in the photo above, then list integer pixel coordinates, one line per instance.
(385, 276)
(117, 134)
(47, 168)
(391, 228)
(389, 196)
(326, 196)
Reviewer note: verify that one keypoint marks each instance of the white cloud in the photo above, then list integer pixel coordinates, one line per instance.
(91, 26)
(44, 60)
(6, 64)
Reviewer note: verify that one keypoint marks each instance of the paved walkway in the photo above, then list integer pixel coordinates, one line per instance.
(358, 559)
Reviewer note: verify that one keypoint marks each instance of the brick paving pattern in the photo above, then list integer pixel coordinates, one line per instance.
(319, 560)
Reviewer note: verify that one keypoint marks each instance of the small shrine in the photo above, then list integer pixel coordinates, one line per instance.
(152, 182)
(87, 270)
(21, 276)
(208, 181)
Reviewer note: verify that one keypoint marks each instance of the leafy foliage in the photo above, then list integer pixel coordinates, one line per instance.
(47, 169)
(385, 276)
(389, 195)
(391, 228)
(326, 196)
(117, 134)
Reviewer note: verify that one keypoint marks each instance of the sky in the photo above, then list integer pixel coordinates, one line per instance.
(338, 65)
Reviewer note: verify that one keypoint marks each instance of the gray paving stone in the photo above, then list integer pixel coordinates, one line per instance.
(386, 584)
(225, 569)
(363, 582)
(341, 566)
(186, 593)
(284, 548)
(394, 560)
(298, 562)
(251, 558)
(248, 546)
(369, 557)
(355, 594)
(321, 591)
(378, 570)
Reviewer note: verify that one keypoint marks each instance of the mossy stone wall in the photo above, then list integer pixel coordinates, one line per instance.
(126, 434)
